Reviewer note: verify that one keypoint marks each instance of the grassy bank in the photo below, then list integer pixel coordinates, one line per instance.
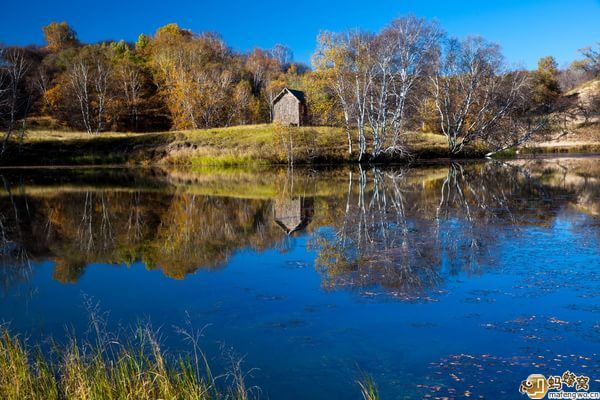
(77, 148)
(252, 145)
(550, 150)
(575, 148)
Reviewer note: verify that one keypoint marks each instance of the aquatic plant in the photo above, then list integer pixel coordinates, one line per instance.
(368, 388)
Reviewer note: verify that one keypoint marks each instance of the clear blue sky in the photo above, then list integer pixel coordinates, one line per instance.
(527, 29)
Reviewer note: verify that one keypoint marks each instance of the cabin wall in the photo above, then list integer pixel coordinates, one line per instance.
(287, 110)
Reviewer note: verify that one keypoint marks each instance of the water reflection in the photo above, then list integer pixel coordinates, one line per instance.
(374, 242)
(403, 231)
(14, 259)
(395, 231)
(293, 214)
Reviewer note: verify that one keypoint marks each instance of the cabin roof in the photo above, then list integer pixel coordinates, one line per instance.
(298, 94)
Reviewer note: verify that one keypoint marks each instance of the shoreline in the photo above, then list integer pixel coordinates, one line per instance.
(244, 146)
(416, 163)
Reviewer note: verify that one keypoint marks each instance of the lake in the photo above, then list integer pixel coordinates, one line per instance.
(440, 281)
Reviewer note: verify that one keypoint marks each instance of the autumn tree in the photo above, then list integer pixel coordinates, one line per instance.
(59, 35)
(214, 75)
(242, 100)
(196, 75)
(265, 73)
(322, 103)
(130, 81)
(271, 71)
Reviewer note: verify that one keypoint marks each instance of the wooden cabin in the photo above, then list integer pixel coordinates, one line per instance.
(289, 107)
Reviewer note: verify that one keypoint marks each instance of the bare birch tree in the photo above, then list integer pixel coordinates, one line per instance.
(101, 80)
(348, 59)
(4, 86)
(42, 84)
(414, 42)
(476, 94)
(131, 87)
(378, 96)
(282, 54)
(80, 81)
(13, 69)
(362, 75)
(332, 59)
(373, 77)
(90, 77)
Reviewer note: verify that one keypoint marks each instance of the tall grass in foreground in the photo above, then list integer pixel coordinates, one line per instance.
(110, 370)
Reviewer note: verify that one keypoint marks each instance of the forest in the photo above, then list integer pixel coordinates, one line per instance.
(409, 76)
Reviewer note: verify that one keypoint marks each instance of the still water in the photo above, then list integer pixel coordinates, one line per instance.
(454, 280)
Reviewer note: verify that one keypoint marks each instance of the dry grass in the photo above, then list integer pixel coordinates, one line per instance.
(250, 145)
(108, 368)
(61, 136)
(421, 141)
(586, 89)
(234, 136)
(256, 145)
(111, 369)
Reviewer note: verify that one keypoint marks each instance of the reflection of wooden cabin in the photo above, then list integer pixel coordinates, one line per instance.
(293, 214)
(289, 107)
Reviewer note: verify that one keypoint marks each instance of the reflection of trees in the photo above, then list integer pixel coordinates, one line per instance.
(467, 216)
(578, 176)
(375, 243)
(204, 231)
(14, 258)
(135, 222)
(177, 233)
(89, 233)
(399, 230)
(404, 235)
(91, 226)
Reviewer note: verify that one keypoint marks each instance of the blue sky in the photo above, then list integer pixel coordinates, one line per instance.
(527, 30)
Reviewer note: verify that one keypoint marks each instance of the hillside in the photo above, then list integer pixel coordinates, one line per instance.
(586, 90)
(574, 132)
